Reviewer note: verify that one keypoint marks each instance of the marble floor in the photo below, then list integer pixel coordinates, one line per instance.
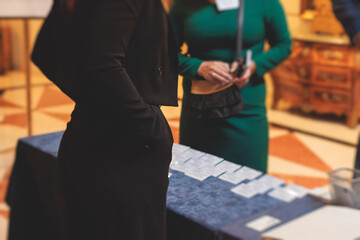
(296, 157)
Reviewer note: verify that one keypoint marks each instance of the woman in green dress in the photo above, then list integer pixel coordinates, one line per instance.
(211, 38)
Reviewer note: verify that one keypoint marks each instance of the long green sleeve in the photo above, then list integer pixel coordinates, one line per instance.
(188, 66)
(277, 35)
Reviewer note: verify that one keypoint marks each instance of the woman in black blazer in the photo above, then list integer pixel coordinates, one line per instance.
(117, 60)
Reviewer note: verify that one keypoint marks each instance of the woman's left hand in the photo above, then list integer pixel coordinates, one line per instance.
(240, 82)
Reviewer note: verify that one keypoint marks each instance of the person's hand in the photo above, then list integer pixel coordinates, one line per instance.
(215, 71)
(240, 82)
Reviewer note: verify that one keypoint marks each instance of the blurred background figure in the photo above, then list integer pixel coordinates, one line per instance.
(211, 37)
(348, 12)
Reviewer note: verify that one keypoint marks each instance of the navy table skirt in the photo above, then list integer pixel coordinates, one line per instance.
(196, 210)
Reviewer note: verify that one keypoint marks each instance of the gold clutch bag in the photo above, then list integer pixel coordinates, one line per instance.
(202, 87)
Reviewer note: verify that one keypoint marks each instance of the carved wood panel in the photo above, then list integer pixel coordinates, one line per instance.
(321, 78)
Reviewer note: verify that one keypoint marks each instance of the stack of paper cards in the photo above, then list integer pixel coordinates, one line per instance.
(240, 175)
(263, 223)
(195, 164)
(203, 168)
(198, 163)
(211, 159)
(266, 183)
(178, 148)
(258, 186)
(245, 190)
(233, 177)
(199, 173)
(282, 194)
(180, 166)
(249, 173)
(227, 166)
(177, 162)
(296, 190)
(321, 194)
(289, 193)
(192, 153)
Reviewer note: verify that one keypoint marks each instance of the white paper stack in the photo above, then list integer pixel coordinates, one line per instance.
(245, 190)
(282, 195)
(211, 159)
(266, 183)
(194, 163)
(289, 193)
(258, 186)
(192, 153)
(263, 223)
(297, 190)
(236, 177)
(227, 166)
(326, 223)
(233, 177)
(178, 148)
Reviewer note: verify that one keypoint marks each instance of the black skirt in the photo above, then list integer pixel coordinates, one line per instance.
(114, 186)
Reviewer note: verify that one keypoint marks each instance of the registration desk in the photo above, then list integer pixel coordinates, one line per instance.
(208, 197)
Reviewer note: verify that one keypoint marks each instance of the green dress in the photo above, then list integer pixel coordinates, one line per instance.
(211, 35)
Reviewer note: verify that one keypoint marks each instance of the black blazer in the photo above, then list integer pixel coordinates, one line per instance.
(121, 50)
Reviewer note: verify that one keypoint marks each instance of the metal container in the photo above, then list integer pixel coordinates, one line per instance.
(345, 187)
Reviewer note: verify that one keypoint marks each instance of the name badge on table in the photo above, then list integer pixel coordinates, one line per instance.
(223, 5)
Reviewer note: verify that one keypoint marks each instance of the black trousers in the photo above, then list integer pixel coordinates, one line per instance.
(114, 186)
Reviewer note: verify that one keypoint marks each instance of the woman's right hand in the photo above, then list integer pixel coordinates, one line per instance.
(215, 71)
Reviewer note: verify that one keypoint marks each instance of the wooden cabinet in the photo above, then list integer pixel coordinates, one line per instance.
(320, 77)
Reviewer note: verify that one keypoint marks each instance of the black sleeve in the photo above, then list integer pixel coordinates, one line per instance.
(111, 29)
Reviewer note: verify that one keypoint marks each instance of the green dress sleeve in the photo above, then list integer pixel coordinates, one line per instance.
(278, 36)
(188, 66)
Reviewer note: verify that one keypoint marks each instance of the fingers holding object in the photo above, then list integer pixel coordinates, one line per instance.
(220, 73)
(218, 77)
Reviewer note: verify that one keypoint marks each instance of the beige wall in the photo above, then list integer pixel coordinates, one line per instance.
(291, 6)
(18, 40)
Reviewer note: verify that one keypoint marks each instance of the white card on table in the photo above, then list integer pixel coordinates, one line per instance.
(249, 173)
(215, 172)
(282, 195)
(178, 148)
(232, 177)
(296, 190)
(223, 5)
(260, 186)
(198, 174)
(177, 158)
(245, 190)
(266, 182)
(263, 223)
(179, 166)
(211, 159)
(192, 153)
(227, 166)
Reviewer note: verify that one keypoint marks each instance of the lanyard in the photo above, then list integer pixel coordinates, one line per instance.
(240, 27)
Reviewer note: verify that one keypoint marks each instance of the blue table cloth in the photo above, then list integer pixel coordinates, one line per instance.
(196, 210)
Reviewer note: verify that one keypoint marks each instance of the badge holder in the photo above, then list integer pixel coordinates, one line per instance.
(243, 65)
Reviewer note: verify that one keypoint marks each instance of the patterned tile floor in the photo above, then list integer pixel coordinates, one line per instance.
(295, 157)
